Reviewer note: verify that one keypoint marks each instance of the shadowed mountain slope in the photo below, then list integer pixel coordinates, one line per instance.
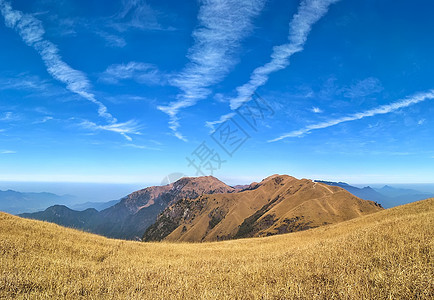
(129, 218)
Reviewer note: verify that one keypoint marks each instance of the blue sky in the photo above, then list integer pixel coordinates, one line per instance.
(130, 91)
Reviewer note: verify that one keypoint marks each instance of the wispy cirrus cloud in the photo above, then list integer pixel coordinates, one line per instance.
(383, 109)
(142, 147)
(136, 14)
(224, 118)
(8, 152)
(363, 88)
(32, 32)
(23, 82)
(43, 120)
(9, 116)
(222, 26)
(133, 15)
(140, 72)
(112, 40)
(309, 12)
(126, 128)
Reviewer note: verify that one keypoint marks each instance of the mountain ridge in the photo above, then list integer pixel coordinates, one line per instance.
(387, 196)
(278, 204)
(129, 218)
(16, 202)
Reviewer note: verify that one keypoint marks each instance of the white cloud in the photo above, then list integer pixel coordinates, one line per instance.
(7, 152)
(316, 110)
(421, 122)
(126, 128)
(309, 12)
(224, 118)
(143, 147)
(31, 31)
(112, 40)
(141, 72)
(136, 14)
(34, 86)
(23, 82)
(384, 109)
(363, 88)
(44, 120)
(222, 26)
(9, 116)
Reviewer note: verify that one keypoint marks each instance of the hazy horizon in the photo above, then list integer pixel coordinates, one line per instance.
(103, 192)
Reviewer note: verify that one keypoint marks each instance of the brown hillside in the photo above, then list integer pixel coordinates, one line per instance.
(185, 187)
(384, 255)
(278, 204)
(129, 218)
(136, 212)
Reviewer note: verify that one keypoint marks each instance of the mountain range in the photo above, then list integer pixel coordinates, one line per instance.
(387, 196)
(278, 204)
(133, 214)
(205, 208)
(14, 202)
(96, 205)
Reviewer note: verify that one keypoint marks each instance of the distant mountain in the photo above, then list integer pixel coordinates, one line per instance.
(387, 196)
(396, 192)
(134, 213)
(96, 205)
(366, 193)
(398, 196)
(64, 216)
(278, 204)
(14, 202)
(241, 187)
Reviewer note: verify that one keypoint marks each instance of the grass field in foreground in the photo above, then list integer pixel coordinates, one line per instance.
(385, 255)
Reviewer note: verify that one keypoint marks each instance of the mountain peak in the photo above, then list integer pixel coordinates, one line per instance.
(387, 187)
(278, 204)
(275, 176)
(208, 178)
(207, 184)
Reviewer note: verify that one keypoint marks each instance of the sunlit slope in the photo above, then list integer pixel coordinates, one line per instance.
(384, 255)
(279, 204)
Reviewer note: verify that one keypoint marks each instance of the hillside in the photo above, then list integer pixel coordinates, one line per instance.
(129, 218)
(279, 204)
(384, 255)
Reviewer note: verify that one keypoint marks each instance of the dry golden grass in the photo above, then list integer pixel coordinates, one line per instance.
(385, 255)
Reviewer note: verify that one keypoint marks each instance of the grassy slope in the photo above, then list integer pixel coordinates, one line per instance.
(318, 203)
(385, 255)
